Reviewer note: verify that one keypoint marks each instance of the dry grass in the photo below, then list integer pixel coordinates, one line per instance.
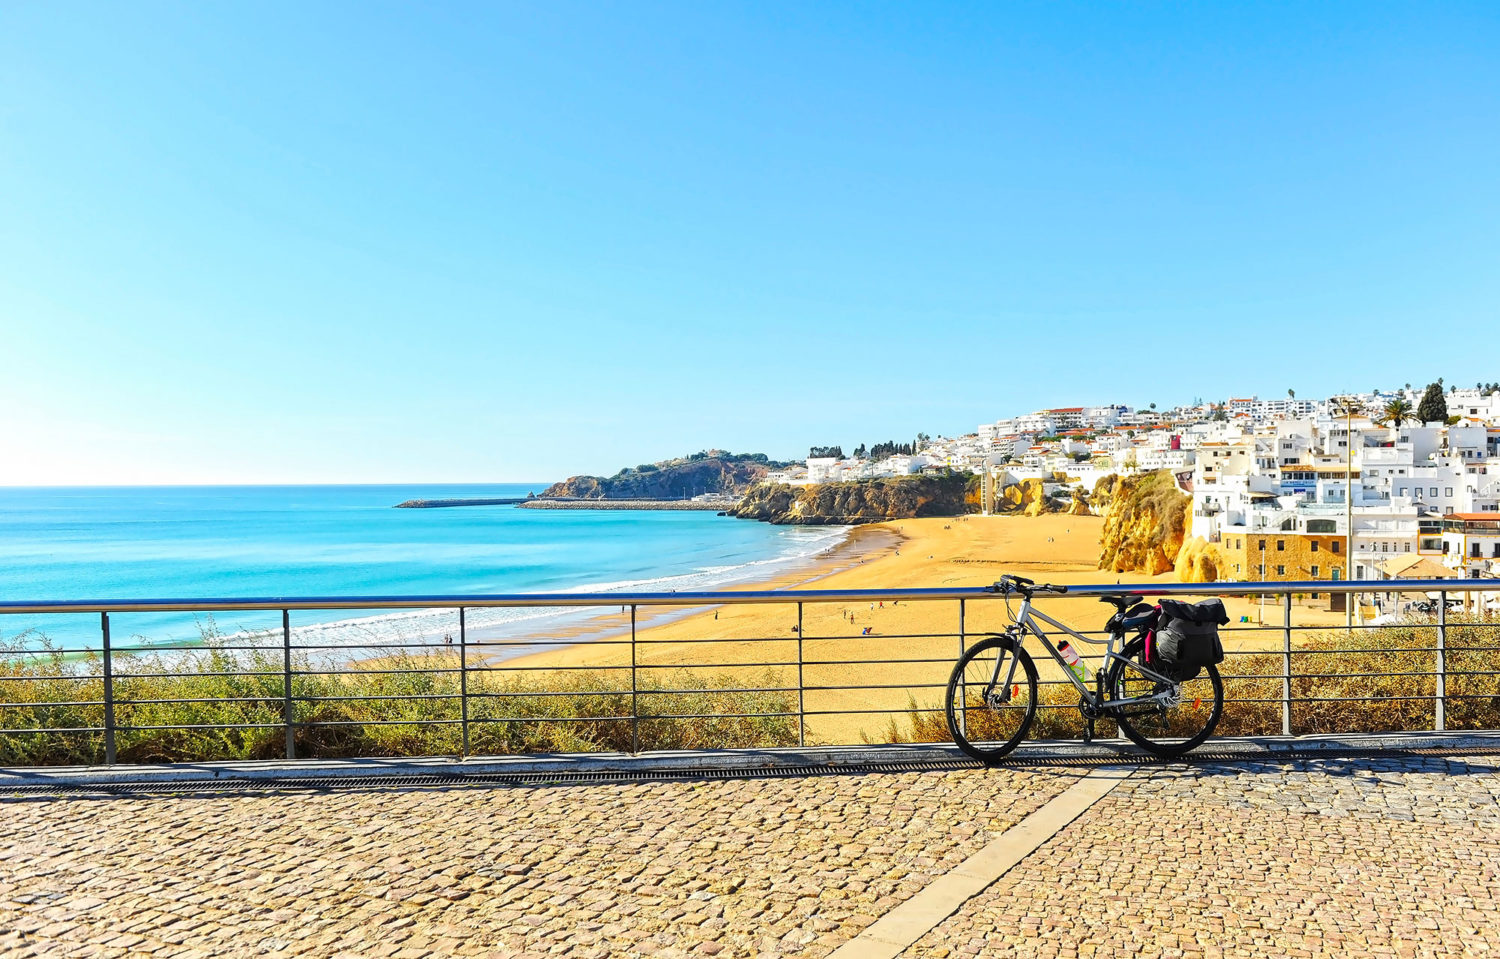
(1365, 680)
(215, 704)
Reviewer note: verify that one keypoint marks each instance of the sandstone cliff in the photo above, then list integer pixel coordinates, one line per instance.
(1026, 498)
(1145, 519)
(713, 471)
(868, 501)
(1199, 561)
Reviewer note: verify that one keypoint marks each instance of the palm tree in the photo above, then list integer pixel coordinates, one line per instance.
(1398, 411)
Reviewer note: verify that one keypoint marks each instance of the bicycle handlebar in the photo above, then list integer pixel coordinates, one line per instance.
(1026, 587)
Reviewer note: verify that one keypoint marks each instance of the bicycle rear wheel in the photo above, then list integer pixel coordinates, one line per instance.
(986, 715)
(1170, 729)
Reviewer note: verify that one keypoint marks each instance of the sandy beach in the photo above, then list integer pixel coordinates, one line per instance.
(851, 679)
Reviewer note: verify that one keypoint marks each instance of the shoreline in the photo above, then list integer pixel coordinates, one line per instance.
(851, 550)
(850, 677)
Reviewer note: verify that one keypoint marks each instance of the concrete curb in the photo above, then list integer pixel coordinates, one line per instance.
(690, 761)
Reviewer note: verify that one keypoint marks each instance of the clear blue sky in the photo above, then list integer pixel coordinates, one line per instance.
(361, 242)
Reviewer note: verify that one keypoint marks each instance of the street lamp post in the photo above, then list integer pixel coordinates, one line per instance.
(1347, 405)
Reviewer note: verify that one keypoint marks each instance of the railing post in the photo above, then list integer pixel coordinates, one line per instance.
(963, 706)
(463, 679)
(287, 716)
(1286, 666)
(635, 710)
(109, 693)
(1440, 706)
(801, 701)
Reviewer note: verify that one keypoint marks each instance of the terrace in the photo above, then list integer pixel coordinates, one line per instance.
(1301, 833)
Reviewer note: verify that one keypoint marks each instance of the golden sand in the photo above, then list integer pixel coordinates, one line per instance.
(852, 679)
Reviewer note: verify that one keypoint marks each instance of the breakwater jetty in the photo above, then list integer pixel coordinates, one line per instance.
(659, 504)
(446, 503)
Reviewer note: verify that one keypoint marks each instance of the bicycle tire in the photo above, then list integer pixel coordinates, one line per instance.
(976, 724)
(1159, 731)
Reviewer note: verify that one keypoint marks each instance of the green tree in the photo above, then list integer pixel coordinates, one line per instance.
(1291, 394)
(1219, 414)
(1434, 406)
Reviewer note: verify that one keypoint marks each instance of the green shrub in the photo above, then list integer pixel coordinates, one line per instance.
(215, 703)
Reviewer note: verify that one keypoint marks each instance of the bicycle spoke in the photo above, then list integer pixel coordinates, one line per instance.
(990, 709)
(1183, 715)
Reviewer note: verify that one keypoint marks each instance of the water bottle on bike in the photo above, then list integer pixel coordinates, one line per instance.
(1075, 664)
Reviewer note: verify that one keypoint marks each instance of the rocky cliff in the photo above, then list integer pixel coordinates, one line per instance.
(868, 501)
(713, 471)
(1029, 498)
(1199, 561)
(1145, 520)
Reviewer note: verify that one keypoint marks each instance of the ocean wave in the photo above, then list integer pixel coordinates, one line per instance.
(416, 628)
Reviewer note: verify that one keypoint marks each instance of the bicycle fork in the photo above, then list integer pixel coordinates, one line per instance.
(1010, 676)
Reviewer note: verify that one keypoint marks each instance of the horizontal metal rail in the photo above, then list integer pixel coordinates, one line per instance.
(472, 693)
(726, 598)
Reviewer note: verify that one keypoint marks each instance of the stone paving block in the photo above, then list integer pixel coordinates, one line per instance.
(726, 868)
(1328, 857)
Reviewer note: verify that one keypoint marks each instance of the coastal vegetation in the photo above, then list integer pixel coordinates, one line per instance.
(1365, 680)
(708, 471)
(865, 501)
(223, 704)
(216, 703)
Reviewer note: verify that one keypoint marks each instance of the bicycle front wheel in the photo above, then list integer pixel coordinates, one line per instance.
(1168, 729)
(990, 704)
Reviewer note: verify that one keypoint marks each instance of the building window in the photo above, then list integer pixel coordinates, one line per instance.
(1314, 571)
(1448, 491)
(1335, 573)
(1314, 546)
(1262, 546)
(1406, 547)
(1334, 546)
(1281, 571)
(1434, 492)
(1281, 545)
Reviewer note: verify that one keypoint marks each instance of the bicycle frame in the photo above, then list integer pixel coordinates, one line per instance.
(1026, 620)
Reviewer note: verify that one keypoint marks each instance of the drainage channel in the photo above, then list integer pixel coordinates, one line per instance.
(441, 781)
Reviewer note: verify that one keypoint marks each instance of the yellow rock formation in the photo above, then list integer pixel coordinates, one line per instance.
(1199, 561)
(1145, 519)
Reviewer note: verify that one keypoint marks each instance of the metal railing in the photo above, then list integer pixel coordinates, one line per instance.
(648, 677)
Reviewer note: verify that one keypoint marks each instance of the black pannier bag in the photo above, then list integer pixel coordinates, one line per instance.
(1187, 638)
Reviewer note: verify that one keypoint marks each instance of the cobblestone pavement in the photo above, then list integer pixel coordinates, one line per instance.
(1397, 857)
(731, 868)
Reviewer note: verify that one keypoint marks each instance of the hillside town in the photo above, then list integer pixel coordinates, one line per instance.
(1382, 485)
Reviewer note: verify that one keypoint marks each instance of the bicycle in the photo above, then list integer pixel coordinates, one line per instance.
(990, 709)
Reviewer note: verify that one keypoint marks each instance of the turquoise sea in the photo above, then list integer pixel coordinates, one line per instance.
(104, 543)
